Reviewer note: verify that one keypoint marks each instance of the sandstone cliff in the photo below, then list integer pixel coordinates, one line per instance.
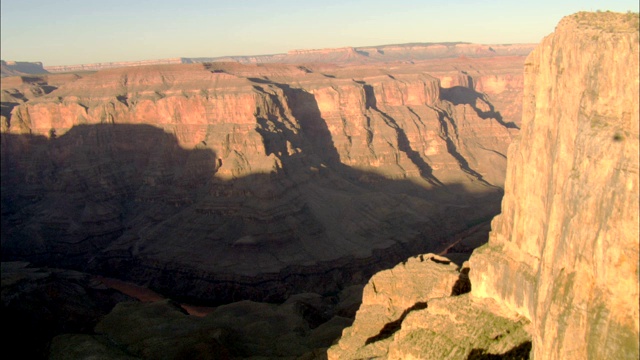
(564, 250)
(559, 276)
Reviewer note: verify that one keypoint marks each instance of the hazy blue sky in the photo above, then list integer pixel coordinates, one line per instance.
(86, 31)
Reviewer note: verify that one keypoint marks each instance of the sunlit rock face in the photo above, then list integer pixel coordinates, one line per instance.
(559, 276)
(564, 250)
(388, 299)
(223, 181)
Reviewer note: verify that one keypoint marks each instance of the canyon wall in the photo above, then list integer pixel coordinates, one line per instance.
(558, 278)
(564, 250)
(223, 181)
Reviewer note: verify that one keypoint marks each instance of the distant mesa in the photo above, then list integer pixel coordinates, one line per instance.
(320, 51)
(18, 68)
(344, 55)
(111, 65)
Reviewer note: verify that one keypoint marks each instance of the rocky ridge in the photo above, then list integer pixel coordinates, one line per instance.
(383, 54)
(558, 278)
(407, 53)
(112, 64)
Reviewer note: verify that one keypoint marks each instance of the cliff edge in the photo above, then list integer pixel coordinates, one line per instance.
(562, 260)
(564, 250)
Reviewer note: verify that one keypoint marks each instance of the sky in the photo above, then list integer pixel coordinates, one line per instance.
(66, 32)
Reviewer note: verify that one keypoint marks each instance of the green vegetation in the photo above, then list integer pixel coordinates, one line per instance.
(609, 21)
(633, 19)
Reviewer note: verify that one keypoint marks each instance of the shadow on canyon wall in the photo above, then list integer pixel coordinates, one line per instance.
(127, 201)
(467, 96)
(404, 144)
(106, 198)
(36, 86)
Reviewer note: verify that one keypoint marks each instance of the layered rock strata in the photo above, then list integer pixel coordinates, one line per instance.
(111, 65)
(226, 182)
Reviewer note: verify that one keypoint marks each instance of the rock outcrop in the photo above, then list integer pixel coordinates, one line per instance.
(559, 276)
(422, 309)
(220, 182)
(389, 297)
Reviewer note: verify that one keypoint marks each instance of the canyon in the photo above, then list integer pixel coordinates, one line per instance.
(220, 182)
(271, 193)
(231, 185)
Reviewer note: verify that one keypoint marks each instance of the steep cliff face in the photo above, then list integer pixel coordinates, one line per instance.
(564, 250)
(227, 181)
(397, 125)
(559, 276)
